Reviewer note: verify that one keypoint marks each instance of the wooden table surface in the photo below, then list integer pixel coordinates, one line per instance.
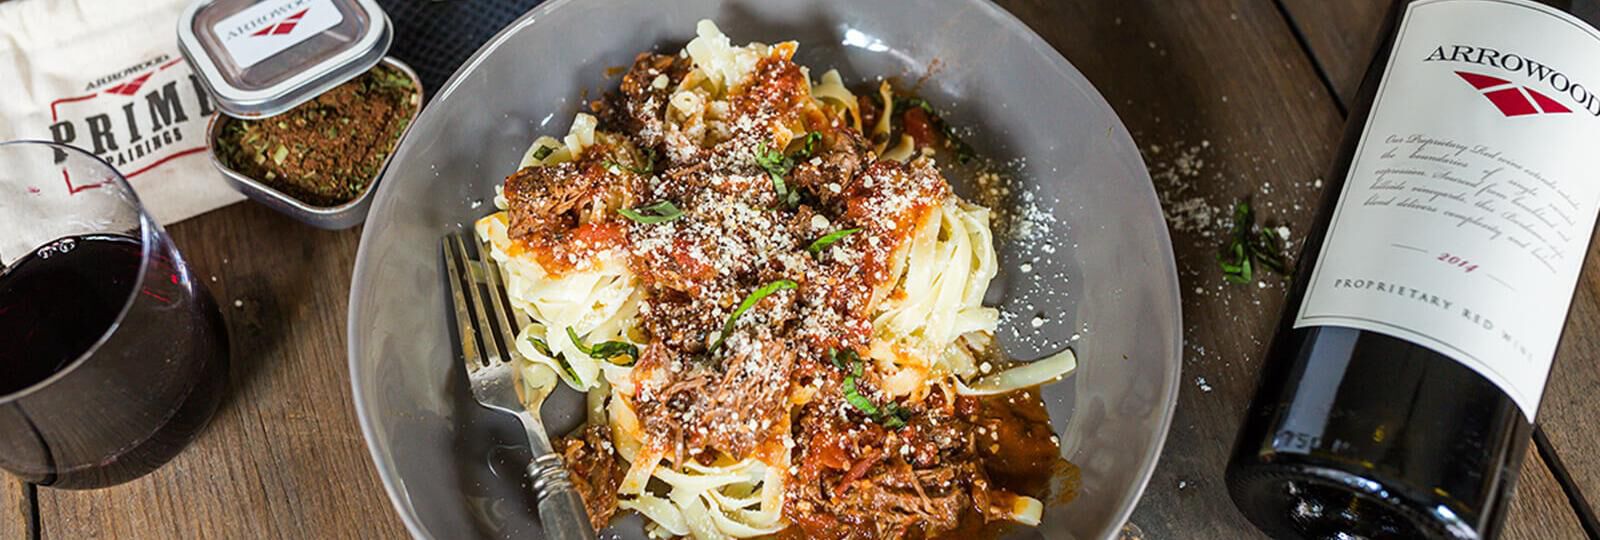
(1227, 98)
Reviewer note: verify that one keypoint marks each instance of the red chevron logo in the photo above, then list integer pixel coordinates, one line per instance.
(1511, 99)
(127, 88)
(282, 27)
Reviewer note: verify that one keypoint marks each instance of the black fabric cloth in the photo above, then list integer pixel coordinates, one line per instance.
(435, 36)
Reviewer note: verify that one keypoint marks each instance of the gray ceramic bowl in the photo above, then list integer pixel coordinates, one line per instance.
(1103, 269)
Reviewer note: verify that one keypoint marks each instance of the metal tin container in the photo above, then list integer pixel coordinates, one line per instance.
(343, 216)
(262, 57)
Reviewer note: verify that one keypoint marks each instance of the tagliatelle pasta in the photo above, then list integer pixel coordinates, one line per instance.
(776, 315)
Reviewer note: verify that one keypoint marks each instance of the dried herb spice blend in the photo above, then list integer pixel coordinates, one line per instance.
(325, 151)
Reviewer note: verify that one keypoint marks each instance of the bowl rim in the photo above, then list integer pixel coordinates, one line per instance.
(393, 485)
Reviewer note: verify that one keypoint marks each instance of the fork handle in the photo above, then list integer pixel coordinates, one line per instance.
(560, 508)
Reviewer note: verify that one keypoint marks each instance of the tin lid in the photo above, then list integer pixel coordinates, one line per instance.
(263, 57)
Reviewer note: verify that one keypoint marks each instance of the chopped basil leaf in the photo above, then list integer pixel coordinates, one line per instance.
(820, 244)
(750, 302)
(660, 212)
(610, 351)
(606, 351)
(891, 415)
(542, 152)
(894, 416)
(808, 145)
(780, 188)
(566, 367)
(577, 341)
(772, 160)
(544, 349)
(1269, 252)
(1248, 247)
(848, 355)
(1236, 264)
(787, 196)
(541, 346)
(857, 400)
(777, 165)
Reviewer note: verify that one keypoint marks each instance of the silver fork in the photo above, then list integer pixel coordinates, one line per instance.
(484, 321)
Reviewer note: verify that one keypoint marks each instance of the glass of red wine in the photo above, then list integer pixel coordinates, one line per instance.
(112, 356)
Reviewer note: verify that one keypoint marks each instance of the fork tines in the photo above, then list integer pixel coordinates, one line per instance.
(483, 317)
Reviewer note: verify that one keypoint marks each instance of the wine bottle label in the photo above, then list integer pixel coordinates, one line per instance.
(1473, 192)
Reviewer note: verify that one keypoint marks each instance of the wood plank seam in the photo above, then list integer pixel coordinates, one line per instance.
(31, 499)
(1316, 63)
(1580, 505)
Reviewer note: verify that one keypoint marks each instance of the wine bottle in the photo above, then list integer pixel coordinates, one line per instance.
(1398, 394)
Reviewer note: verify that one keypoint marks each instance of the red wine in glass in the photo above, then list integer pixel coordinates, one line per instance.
(56, 302)
(112, 358)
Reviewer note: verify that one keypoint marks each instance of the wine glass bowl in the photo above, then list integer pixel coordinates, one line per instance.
(114, 357)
